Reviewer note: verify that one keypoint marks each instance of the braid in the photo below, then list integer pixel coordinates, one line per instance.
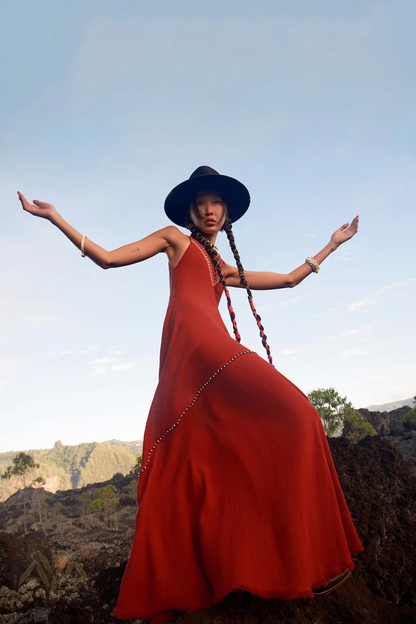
(230, 236)
(196, 233)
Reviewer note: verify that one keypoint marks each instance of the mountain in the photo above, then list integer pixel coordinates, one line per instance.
(388, 407)
(68, 467)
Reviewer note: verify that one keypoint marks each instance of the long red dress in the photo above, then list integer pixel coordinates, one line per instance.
(238, 489)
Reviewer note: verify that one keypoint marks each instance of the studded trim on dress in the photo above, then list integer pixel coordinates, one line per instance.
(212, 270)
(190, 405)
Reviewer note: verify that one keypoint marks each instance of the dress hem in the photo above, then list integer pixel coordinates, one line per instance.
(163, 617)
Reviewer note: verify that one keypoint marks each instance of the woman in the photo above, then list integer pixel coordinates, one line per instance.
(237, 488)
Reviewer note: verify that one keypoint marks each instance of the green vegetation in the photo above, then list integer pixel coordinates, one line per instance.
(106, 499)
(336, 411)
(70, 467)
(359, 428)
(410, 417)
(57, 508)
(51, 579)
(138, 465)
(23, 465)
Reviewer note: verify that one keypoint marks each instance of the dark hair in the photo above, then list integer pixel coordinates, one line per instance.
(197, 234)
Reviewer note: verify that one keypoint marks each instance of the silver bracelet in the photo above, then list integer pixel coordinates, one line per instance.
(313, 264)
(82, 246)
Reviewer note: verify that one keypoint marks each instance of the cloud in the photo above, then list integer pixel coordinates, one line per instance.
(364, 303)
(290, 351)
(350, 332)
(375, 299)
(102, 366)
(271, 306)
(124, 366)
(358, 351)
(103, 360)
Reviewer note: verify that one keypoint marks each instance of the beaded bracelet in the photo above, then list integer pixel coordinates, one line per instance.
(82, 246)
(313, 264)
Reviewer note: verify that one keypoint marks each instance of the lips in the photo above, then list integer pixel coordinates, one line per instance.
(210, 222)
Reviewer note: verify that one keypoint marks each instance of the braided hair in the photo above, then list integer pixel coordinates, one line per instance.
(211, 250)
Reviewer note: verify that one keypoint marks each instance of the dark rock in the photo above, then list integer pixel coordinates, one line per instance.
(387, 423)
(380, 492)
(38, 615)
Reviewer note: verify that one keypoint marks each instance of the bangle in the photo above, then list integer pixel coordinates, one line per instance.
(313, 264)
(82, 246)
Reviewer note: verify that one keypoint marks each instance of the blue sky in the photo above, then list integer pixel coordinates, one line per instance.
(108, 105)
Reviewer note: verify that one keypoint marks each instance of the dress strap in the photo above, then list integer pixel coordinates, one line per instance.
(212, 270)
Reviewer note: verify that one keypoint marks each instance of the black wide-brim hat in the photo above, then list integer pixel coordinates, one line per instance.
(232, 192)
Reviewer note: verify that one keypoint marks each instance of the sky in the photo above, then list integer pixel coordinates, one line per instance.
(107, 105)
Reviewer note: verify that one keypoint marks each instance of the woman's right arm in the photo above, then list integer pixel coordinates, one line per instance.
(162, 240)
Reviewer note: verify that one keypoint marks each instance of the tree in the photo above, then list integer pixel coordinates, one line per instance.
(38, 483)
(410, 416)
(133, 488)
(86, 500)
(331, 407)
(105, 498)
(358, 427)
(23, 465)
(138, 465)
(57, 508)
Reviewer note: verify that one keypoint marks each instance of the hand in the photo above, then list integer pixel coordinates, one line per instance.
(38, 208)
(345, 232)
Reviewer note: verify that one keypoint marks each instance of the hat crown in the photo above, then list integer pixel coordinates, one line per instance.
(203, 170)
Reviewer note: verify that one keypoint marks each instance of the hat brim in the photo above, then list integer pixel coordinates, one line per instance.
(233, 193)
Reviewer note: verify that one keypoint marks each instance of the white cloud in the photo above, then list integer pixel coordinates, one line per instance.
(290, 351)
(357, 351)
(124, 366)
(376, 298)
(364, 303)
(350, 332)
(103, 360)
(271, 306)
(86, 350)
(395, 285)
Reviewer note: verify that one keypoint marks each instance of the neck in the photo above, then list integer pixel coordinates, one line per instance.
(211, 237)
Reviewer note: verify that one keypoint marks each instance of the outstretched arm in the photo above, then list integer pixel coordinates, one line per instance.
(166, 239)
(262, 280)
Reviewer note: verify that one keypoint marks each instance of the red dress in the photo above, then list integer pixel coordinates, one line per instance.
(238, 489)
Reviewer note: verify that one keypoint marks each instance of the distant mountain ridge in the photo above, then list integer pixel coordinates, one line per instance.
(389, 407)
(68, 467)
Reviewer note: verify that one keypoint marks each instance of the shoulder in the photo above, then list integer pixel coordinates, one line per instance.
(177, 243)
(173, 235)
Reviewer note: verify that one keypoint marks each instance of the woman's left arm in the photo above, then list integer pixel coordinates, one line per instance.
(261, 280)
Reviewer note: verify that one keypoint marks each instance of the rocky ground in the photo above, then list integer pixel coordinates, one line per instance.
(74, 565)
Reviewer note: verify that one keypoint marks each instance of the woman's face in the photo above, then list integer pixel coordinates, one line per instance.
(209, 212)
